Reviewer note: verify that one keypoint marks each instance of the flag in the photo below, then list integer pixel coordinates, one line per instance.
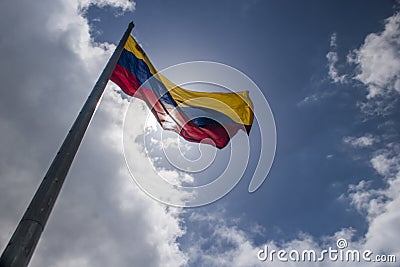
(207, 117)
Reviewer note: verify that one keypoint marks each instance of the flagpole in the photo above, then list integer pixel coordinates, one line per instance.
(27, 234)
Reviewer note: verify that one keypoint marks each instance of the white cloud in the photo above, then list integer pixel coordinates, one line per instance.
(381, 204)
(375, 64)
(125, 5)
(48, 66)
(378, 59)
(231, 246)
(174, 177)
(378, 106)
(333, 42)
(363, 141)
(228, 245)
(366, 200)
(333, 74)
(332, 57)
(385, 163)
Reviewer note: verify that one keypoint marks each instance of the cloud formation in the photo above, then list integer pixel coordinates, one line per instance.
(377, 61)
(363, 141)
(333, 58)
(378, 69)
(49, 64)
(232, 246)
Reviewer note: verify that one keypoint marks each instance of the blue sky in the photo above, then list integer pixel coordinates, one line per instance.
(329, 70)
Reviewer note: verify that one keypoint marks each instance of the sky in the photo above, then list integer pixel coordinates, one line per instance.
(330, 71)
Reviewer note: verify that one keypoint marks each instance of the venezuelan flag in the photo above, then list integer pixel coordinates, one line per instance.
(208, 117)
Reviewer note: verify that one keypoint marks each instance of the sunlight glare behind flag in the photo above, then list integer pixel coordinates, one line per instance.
(207, 117)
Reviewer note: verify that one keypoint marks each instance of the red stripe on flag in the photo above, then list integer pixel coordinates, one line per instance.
(125, 80)
(219, 134)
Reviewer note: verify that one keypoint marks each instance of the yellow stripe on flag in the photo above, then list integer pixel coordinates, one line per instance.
(236, 105)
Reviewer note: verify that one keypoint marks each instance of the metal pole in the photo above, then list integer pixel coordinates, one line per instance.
(25, 238)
